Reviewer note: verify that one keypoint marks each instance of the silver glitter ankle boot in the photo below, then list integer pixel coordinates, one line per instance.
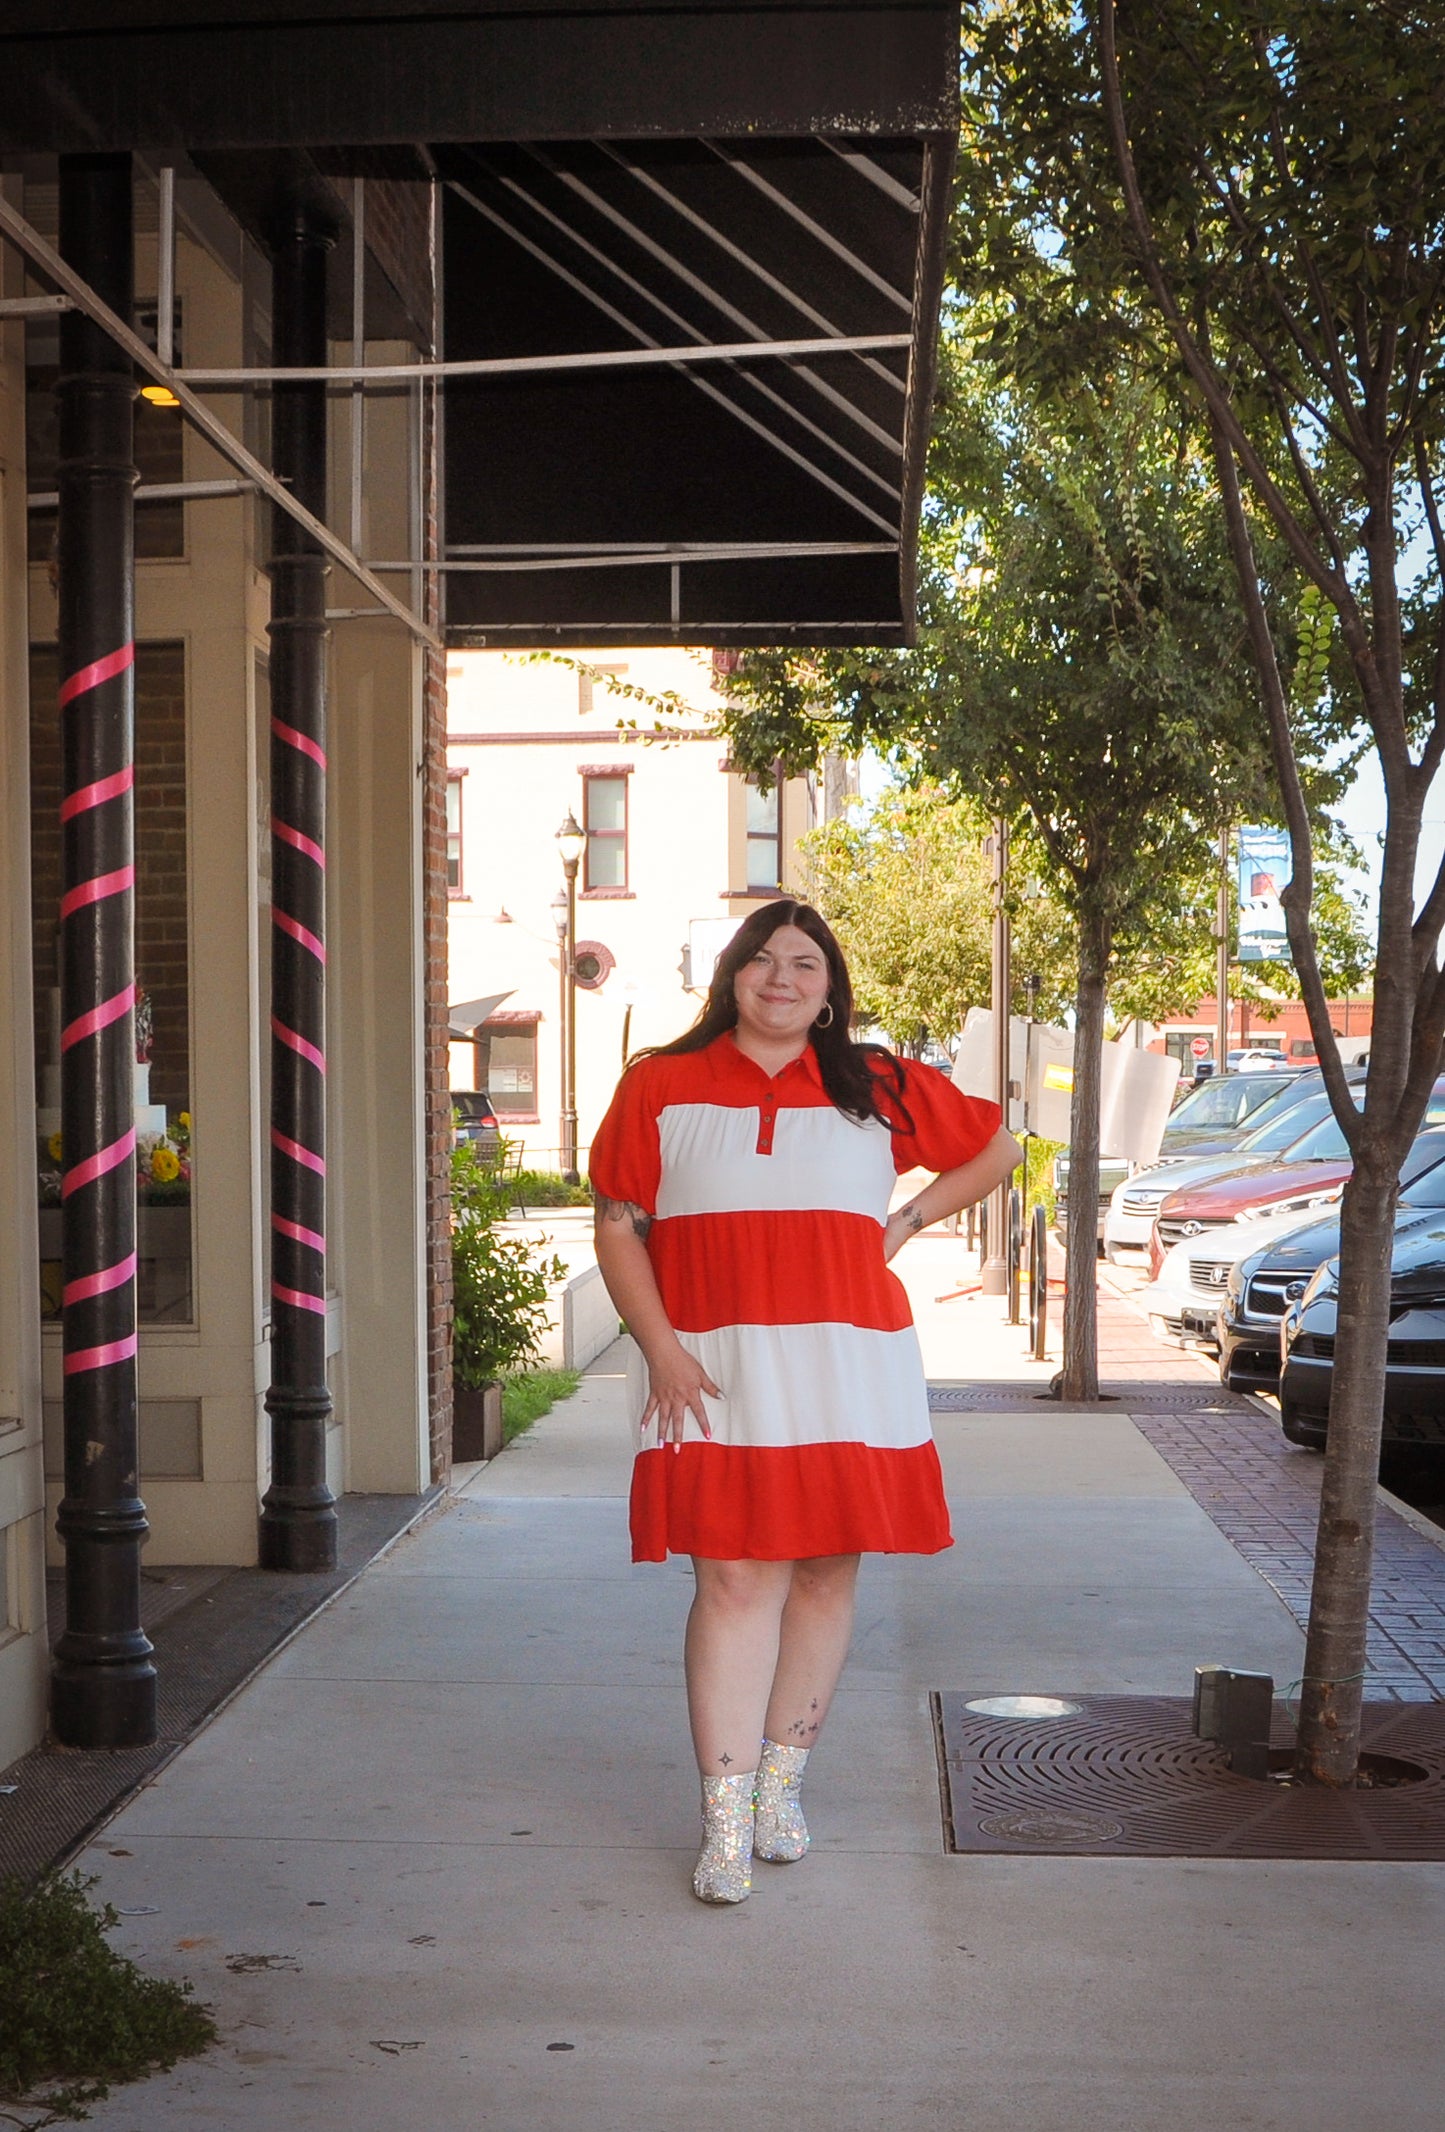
(780, 1834)
(724, 1866)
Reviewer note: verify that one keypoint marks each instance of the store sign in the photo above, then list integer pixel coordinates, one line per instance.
(1265, 865)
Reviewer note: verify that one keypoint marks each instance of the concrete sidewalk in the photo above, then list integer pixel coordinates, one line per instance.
(431, 1867)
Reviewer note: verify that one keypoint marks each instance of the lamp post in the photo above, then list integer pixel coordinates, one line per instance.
(571, 843)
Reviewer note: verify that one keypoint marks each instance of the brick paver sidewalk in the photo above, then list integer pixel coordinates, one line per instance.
(1264, 1495)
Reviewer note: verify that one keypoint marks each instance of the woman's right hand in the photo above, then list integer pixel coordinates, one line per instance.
(676, 1384)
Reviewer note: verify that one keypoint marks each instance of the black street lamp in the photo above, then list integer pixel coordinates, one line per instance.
(571, 843)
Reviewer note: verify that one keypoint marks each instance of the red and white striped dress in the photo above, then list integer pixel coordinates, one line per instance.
(767, 1245)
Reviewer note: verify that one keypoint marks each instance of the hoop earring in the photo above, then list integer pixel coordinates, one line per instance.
(828, 1010)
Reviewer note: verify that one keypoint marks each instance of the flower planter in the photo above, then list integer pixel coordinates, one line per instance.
(476, 1422)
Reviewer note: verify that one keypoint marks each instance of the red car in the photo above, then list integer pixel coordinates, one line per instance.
(1310, 1173)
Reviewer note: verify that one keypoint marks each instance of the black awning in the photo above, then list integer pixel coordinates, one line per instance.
(762, 500)
(187, 74)
(621, 175)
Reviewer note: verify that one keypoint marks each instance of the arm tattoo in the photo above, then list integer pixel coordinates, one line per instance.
(625, 1210)
(912, 1216)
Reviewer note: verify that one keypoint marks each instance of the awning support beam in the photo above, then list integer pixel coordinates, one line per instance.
(359, 373)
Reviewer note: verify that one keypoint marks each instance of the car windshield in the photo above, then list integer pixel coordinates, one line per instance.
(1422, 1175)
(1284, 1121)
(1220, 1103)
(1326, 1143)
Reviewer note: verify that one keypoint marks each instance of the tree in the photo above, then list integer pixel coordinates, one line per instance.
(1282, 173)
(907, 887)
(1178, 965)
(1080, 670)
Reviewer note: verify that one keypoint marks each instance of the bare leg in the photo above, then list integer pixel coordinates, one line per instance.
(816, 1628)
(731, 1655)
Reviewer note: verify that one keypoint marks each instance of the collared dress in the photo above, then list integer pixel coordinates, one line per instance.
(768, 1208)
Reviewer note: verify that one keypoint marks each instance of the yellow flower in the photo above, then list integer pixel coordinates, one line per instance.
(185, 1121)
(165, 1165)
(52, 1147)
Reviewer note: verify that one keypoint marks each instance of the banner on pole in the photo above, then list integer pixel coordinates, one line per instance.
(1265, 865)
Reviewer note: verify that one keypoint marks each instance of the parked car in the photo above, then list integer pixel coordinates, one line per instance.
(1183, 1301)
(1257, 1058)
(1274, 1272)
(1414, 1414)
(473, 1118)
(1223, 1105)
(1298, 1105)
(1113, 1170)
(1207, 1117)
(1309, 1171)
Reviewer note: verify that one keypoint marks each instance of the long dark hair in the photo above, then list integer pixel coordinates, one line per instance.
(854, 1075)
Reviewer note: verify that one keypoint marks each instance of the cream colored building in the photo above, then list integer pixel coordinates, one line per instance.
(680, 848)
(203, 926)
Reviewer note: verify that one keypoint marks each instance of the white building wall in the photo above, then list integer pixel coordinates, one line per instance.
(523, 733)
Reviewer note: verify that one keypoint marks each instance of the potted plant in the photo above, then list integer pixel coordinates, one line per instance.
(499, 1304)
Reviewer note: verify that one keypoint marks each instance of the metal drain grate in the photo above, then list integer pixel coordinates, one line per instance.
(1134, 1395)
(1123, 1776)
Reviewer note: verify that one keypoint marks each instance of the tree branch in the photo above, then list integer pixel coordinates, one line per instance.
(1205, 374)
(1296, 898)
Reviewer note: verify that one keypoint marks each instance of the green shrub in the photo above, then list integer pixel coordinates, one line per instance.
(1040, 1172)
(549, 1188)
(75, 2016)
(499, 1283)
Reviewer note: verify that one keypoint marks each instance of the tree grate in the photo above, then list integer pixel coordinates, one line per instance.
(1135, 1395)
(1123, 1776)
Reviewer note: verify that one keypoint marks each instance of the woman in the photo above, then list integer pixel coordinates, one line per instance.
(742, 1176)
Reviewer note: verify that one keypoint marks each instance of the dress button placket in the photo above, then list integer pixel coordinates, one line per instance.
(765, 1125)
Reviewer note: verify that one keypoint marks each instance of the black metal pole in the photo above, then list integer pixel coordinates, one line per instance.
(103, 1685)
(298, 1514)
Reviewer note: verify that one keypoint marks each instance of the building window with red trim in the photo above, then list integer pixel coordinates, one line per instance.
(765, 835)
(507, 1065)
(454, 832)
(604, 817)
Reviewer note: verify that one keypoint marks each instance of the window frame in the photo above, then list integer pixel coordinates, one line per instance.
(456, 890)
(751, 783)
(616, 773)
(517, 1022)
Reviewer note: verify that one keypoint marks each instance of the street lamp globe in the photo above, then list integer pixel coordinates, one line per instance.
(559, 913)
(571, 842)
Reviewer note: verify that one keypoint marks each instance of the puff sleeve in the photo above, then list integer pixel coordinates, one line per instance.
(943, 1127)
(625, 1161)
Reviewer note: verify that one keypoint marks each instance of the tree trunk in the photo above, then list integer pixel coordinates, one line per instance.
(1081, 1317)
(1334, 1674)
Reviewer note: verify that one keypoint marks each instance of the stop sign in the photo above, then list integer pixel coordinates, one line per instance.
(1200, 1047)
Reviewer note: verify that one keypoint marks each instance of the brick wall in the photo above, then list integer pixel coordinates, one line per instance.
(161, 943)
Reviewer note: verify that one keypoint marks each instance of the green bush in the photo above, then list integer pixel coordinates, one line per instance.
(499, 1283)
(549, 1188)
(75, 2016)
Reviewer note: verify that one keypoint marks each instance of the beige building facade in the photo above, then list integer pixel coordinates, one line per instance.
(680, 847)
(203, 934)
